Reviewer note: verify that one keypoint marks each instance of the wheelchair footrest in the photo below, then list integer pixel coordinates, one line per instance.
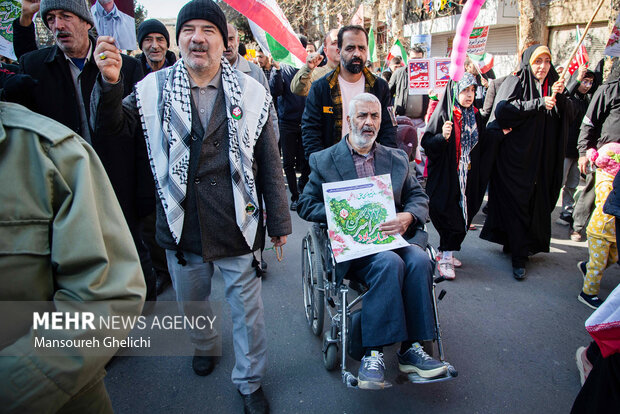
(352, 382)
(451, 373)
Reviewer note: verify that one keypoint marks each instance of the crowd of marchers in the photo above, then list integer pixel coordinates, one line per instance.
(130, 174)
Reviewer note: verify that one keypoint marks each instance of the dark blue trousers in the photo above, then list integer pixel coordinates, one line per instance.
(293, 158)
(398, 305)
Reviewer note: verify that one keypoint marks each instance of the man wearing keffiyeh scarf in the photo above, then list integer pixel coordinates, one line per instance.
(454, 143)
(215, 163)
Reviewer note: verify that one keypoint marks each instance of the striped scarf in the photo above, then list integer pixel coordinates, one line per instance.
(164, 103)
(468, 140)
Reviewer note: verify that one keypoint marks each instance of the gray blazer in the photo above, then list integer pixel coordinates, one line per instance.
(489, 100)
(336, 164)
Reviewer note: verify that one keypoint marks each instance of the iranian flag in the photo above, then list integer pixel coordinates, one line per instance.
(272, 25)
(397, 50)
(581, 57)
(484, 61)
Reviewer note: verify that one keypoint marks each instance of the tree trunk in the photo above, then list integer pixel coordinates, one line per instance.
(532, 23)
(397, 19)
(613, 15)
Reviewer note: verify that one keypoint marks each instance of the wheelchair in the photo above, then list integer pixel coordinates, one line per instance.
(322, 294)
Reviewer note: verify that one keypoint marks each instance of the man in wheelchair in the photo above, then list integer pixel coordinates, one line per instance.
(398, 306)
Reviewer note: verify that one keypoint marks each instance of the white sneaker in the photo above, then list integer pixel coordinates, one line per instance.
(456, 262)
(446, 269)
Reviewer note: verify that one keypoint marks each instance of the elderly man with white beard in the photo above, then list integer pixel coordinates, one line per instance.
(398, 304)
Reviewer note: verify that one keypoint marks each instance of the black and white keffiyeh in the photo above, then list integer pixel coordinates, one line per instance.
(164, 103)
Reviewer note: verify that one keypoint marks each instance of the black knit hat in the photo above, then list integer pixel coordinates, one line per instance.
(152, 26)
(203, 10)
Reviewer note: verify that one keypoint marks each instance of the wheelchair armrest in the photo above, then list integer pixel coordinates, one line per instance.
(417, 235)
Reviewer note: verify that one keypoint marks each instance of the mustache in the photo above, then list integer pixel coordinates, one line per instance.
(368, 129)
(198, 48)
(63, 33)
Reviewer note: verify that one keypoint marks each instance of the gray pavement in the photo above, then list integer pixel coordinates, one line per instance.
(512, 342)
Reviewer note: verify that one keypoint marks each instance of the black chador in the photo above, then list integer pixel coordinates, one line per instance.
(526, 180)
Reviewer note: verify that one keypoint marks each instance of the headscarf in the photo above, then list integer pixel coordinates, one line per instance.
(539, 51)
(528, 80)
(528, 86)
(469, 132)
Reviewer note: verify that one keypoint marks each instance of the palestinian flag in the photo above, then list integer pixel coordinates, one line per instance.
(397, 50)
(484, 61)
(279, 37)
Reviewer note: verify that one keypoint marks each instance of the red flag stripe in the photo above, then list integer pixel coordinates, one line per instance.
(581, 57)
(270, 21)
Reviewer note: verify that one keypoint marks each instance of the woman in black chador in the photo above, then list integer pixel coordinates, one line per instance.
(457, 167)
(527, 177)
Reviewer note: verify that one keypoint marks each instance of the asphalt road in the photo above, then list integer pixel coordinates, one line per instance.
(512, 342)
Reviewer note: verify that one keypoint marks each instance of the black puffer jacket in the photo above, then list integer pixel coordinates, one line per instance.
(319, 129)
(578, 109)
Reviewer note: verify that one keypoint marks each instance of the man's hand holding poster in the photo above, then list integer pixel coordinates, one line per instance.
(355, 209)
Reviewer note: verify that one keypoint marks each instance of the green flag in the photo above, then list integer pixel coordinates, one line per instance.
(280, 54)
(372, 50)
(397, 50)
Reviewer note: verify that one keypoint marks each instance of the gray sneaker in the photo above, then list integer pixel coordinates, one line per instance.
(418, 361)
(371, 375)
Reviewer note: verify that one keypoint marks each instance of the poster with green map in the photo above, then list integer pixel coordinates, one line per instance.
(9, 11)
(355, 209)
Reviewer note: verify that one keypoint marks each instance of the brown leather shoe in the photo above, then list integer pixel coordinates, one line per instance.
(255, 403)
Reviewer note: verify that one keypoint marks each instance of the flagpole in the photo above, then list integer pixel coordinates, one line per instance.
(583, 36)
(477, 68)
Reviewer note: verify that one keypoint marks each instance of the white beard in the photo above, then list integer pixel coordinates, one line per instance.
(359, 140)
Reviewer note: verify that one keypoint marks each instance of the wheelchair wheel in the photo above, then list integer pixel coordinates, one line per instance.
(330, 356)
(312, 282)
